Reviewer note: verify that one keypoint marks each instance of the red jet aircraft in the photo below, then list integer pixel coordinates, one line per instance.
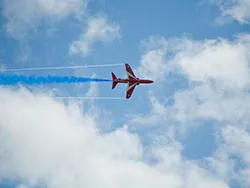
(132, 81)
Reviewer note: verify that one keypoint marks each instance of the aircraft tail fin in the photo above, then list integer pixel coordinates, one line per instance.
(114, 82)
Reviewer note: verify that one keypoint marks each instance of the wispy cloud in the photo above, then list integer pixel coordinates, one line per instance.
(98, 29)
(26, 15)
(158, 52)
(154, 62)
(231, 159)
(218, 75)
(233, 10)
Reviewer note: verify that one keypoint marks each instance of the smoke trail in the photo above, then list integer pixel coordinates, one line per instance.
(87, 98)
(15, 79)
(58, 68)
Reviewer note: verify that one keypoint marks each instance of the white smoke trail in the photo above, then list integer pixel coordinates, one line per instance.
(88, 98)
(59, 68)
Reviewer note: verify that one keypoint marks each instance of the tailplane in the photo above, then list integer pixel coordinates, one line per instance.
(114, 82)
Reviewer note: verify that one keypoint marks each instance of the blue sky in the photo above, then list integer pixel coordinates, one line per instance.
(181, 131)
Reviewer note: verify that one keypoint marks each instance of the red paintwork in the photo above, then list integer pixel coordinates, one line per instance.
(132, 81)
(140, 81)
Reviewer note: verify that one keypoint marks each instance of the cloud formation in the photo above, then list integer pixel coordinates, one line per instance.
(234, 10)
(217, 72)
(99, 29)
(26, 15)
(235, 142)
(154, 62)
(48, 143)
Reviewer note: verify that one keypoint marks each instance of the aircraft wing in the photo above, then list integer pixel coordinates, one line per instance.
(130, 89)
(130, 73)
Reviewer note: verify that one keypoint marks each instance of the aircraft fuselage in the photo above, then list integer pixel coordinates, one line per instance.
(138, 81)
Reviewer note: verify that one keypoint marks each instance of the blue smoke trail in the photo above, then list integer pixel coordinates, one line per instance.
(15, 79)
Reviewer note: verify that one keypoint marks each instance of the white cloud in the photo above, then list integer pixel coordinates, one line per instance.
(214, 62)
(99, 29)
(45, 142)
(237, 142)
(234, 143)
(153, 62)
(218, 75)
(158, 114)
(156, 62)
(24, 16)
(234, 9)
(27, 14)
